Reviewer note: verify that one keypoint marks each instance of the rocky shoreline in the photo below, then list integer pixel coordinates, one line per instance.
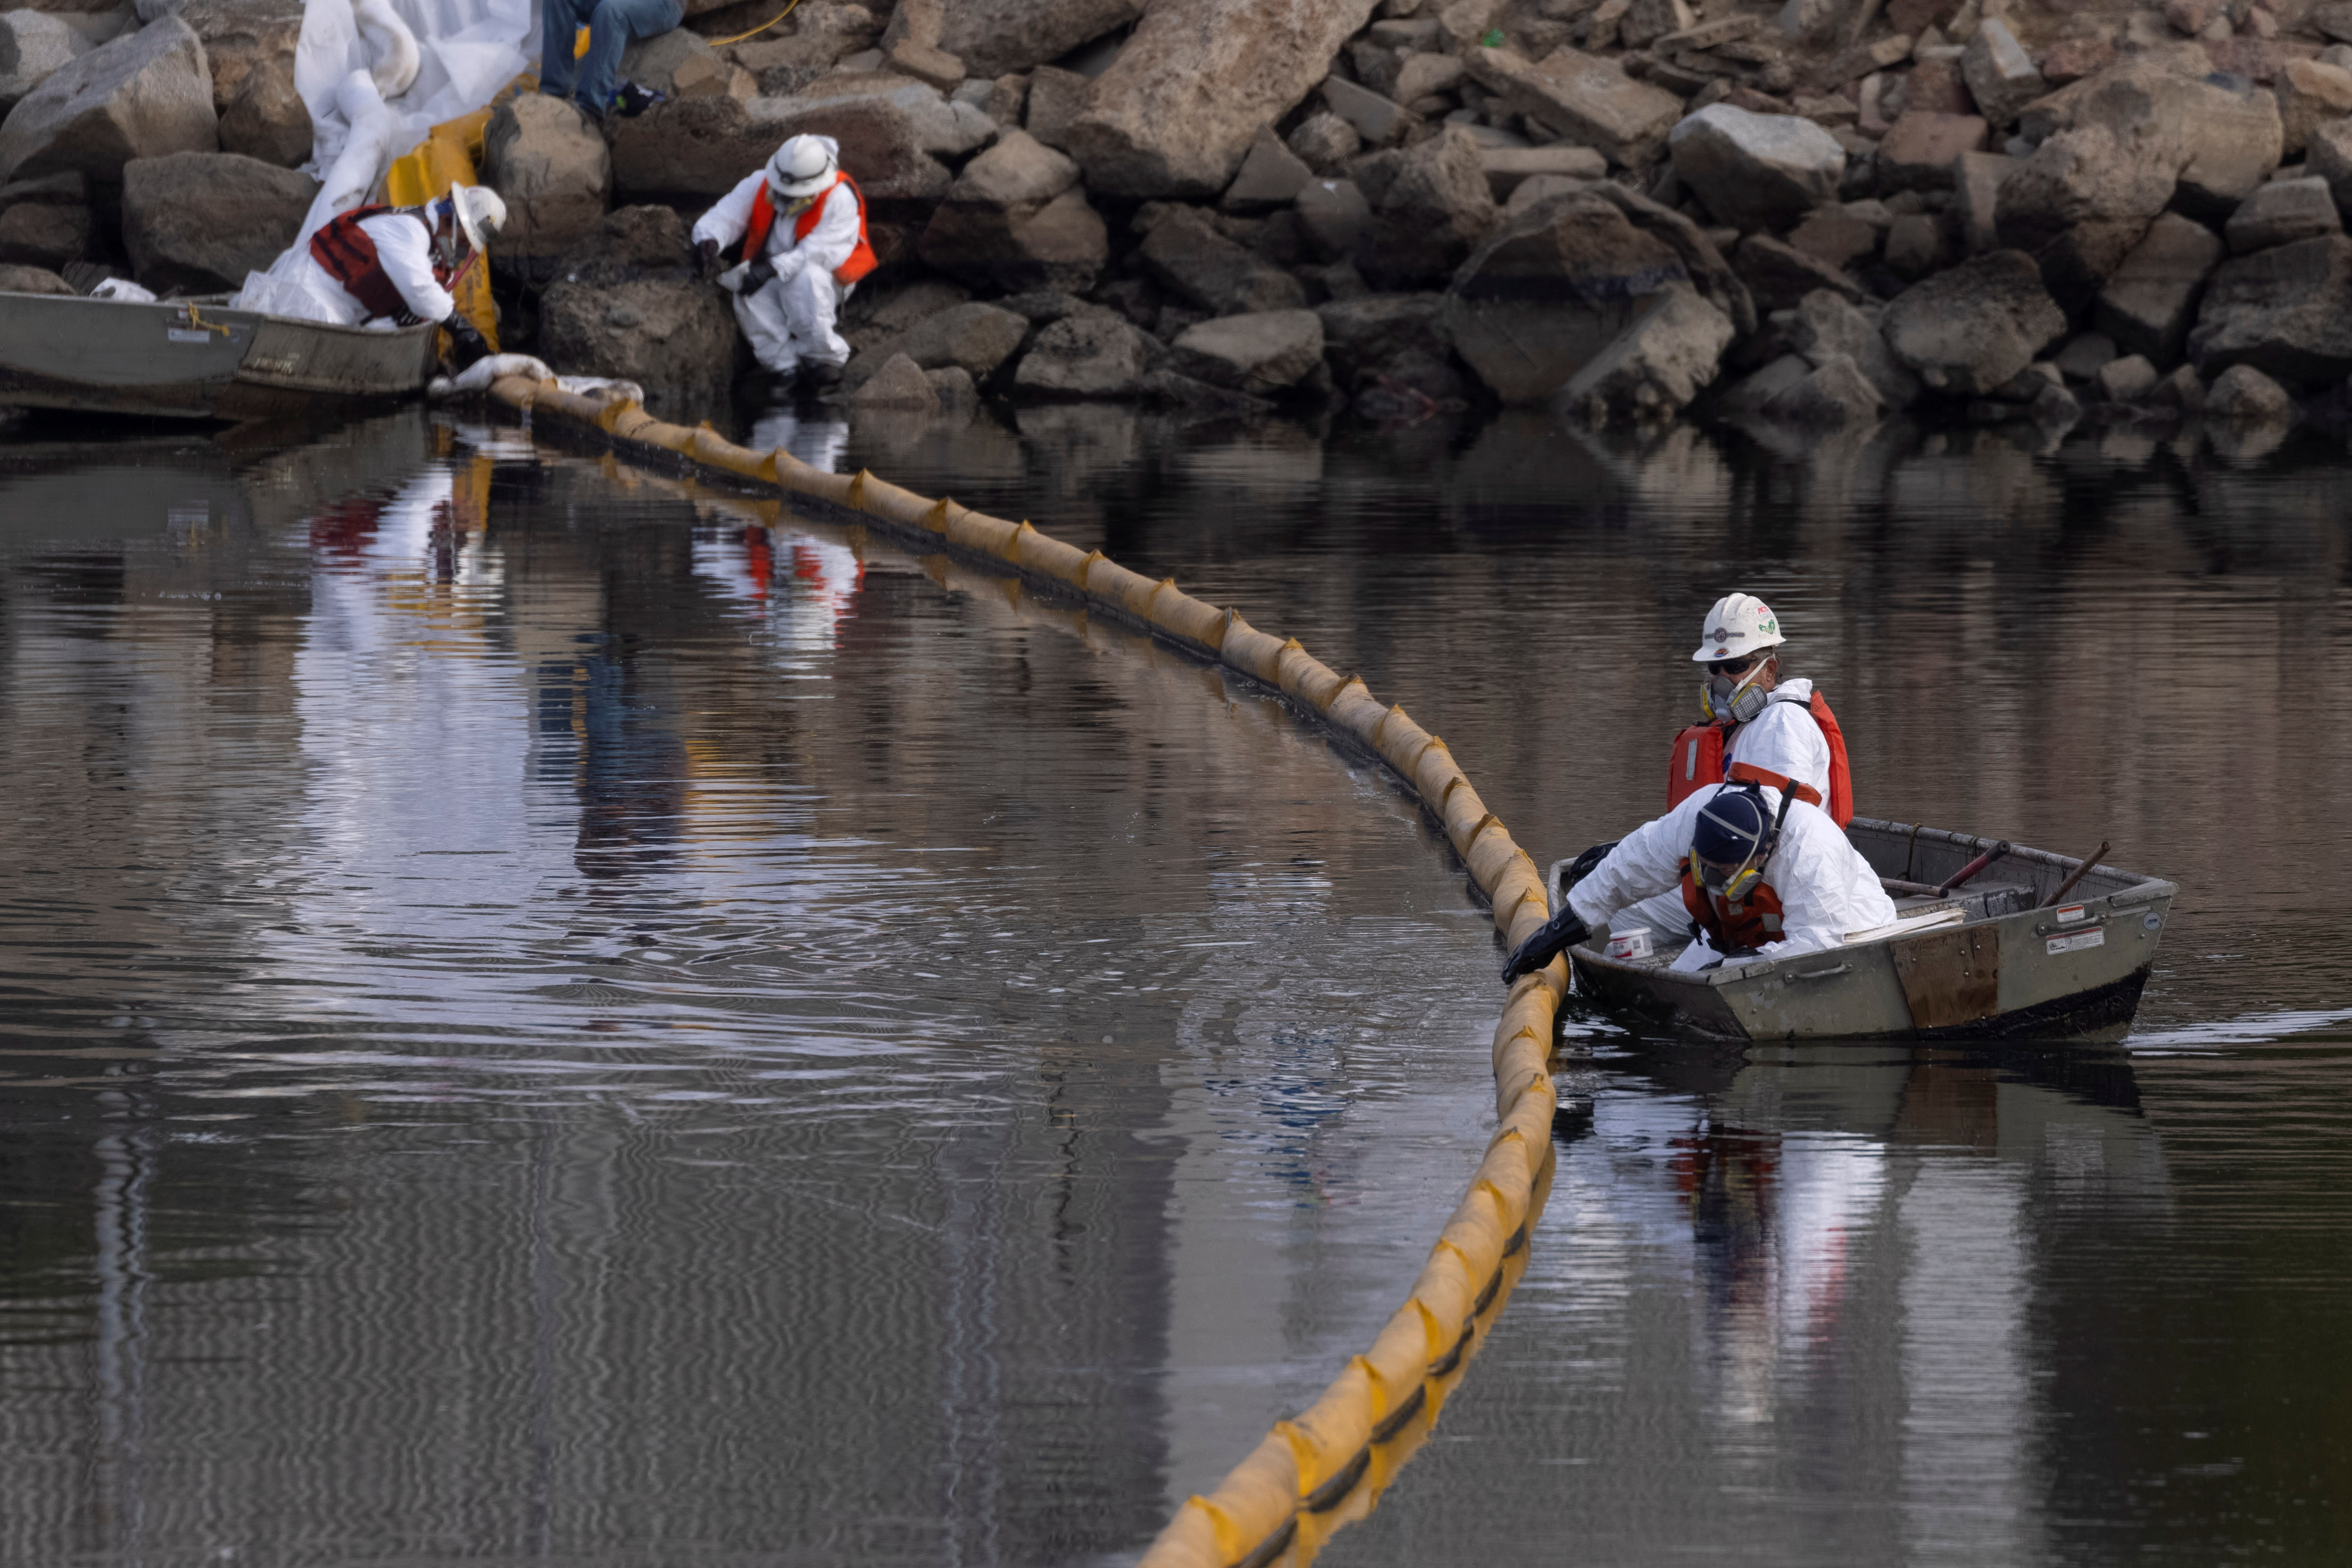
(1815, 215)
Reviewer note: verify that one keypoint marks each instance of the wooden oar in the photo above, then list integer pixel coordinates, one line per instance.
(2067, 886)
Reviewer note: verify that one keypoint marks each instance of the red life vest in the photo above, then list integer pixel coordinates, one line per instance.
(1750, 923)
(1696, 761)
(348, 254)
(763, 218)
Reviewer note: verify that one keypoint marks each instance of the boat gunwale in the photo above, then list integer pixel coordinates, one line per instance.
(230, 314)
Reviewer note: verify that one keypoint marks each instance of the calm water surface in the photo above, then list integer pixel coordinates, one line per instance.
(554, 1018)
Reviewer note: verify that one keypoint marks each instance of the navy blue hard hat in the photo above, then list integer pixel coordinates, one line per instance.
(1732, 835)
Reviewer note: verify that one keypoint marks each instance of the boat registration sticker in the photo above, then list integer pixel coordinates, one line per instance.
(2094, 937)
(2070, 914)
(188, 335)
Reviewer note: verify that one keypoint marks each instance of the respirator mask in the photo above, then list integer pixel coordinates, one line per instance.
(1730, 695)
(1732, 842)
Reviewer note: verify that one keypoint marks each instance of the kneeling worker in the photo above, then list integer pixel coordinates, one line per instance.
(397, 263)
(794, 272)
(1757, 872)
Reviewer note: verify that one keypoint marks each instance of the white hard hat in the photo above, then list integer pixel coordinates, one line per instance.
(1739, 624)
(480, 213)
(803, 166)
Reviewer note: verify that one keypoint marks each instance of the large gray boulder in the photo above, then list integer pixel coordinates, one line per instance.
(1778, 275)
(670, 334)
(1827, 326)
(993, 37)
(1664, 358)
(1584, 98)
(17, 280)
(1260, 354)
(1015, 219)
(1087, 353)
(2150, 300)
(786, 59)
(2327, 154)
(553, 167)
(2113, 138)
(243, 38)
(1552, 289)
(2310, 94)
(679, 63)
(943, 127)
(198, 222)
(1271, 176)
(2281, 312)
(268, 119)
(2244, 395)
(1194, 260)
(1832, 396)
(2000, 73)
(1194, 86)
(33, 47)
(1703, 264)
(975, 338)
(147, 94)
(44, 233)
(1397, 335)
(1432, 210)
(1968, 332)
(699, 148)
(1756, 170)
(2281, 213)
(2088, 193)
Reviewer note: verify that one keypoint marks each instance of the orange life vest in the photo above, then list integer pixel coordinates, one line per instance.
(1750, 924)
(1696, 761)
(763, 218)
(348, 254)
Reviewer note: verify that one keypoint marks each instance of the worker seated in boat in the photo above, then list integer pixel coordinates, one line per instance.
(801, 222)
(397, 264)
(1758, 727)
(1756, 872)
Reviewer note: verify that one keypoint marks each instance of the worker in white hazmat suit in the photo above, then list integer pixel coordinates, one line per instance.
(397, 264)
(1755, 872)
(1758, 729)
(801, 222)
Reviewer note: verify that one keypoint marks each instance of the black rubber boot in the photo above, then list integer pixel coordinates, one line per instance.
(820, 380)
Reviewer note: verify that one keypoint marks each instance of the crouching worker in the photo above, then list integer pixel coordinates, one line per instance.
(803, 225)
(1758, 873)
(398, 263)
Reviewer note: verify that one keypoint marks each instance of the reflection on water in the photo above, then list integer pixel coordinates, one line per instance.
(554, 1016)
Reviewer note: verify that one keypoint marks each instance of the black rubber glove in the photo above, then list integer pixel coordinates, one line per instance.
(758, 275)
(706, 259)
(467, 346)
(1560, 932)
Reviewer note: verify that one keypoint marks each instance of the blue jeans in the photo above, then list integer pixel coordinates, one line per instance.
(611, 25)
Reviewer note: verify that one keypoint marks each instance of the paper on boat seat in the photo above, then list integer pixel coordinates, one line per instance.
(1926, 920)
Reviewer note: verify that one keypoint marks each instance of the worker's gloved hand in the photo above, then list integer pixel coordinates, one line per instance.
(749, 278)
(466, 344)
(1560, 932)
(706, 259)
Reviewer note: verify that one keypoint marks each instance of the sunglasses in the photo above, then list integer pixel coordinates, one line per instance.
(1734, 665)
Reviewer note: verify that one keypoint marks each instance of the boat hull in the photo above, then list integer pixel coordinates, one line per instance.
(178, 359)
(2012, 970)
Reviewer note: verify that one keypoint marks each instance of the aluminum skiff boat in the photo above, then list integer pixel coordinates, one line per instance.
(1992, 960)
(196, 358)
